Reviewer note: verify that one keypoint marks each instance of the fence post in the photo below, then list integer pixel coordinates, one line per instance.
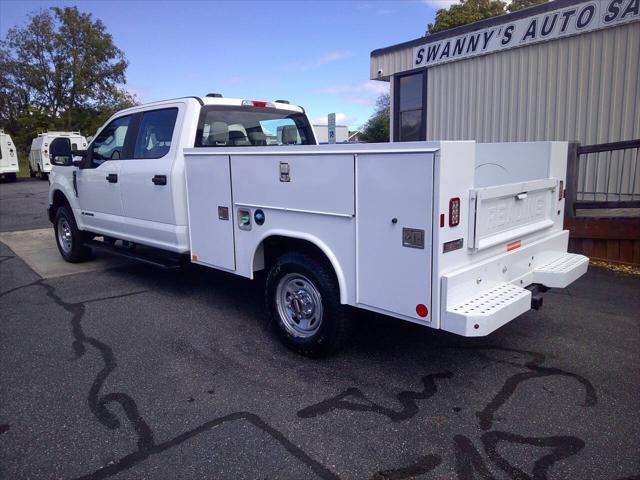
(571, 187)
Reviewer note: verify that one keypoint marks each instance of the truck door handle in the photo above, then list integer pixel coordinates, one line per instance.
(159, 179)
(112, 178)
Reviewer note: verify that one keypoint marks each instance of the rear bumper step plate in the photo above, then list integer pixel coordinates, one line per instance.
(481, 315)
(561, 271)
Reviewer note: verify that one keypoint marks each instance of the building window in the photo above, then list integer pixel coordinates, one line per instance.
(409, 118)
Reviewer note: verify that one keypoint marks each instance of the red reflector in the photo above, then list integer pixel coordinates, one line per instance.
(454, 212)
(422, 310)
(513, 245)
(257, 103)
(441, 220)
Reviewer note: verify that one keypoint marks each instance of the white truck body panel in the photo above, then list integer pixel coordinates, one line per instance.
(357, 204)
(8, 155)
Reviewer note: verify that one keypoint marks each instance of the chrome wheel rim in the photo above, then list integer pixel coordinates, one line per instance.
(299, 305)
(65, 239)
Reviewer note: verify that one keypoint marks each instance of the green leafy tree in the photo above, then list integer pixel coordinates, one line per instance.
(516, 5)
(376, 130)
(61, 70)
(467, 11)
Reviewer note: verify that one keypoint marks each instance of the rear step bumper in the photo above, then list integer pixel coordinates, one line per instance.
(482, 297)
(481, 315)
(562, 271)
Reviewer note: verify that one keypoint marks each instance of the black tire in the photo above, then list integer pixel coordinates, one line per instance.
(335, 325)
(12, 177)
(73, 250)
(32, 174)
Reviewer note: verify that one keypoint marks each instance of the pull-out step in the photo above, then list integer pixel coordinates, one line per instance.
(148, 255)
(561, 271)
(481, 315)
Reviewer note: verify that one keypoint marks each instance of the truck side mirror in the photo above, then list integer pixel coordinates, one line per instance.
(80, 163)
(60, 152)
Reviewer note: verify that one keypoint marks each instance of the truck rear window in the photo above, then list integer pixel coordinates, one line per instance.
(231, 126)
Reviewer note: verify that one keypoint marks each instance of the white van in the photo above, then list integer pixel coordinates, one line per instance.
(39, 162)
(8, 158)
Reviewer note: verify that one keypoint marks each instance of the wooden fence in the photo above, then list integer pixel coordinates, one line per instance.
(602, 208)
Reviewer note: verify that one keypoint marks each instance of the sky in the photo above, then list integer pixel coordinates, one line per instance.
(312, 53)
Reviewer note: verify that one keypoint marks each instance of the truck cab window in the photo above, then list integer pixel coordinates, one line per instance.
(155, 133)
(109, 144)
(235, 126)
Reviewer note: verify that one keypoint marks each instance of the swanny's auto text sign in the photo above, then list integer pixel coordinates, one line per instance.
(579, 18)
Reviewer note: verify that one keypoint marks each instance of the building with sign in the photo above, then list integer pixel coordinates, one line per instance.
(563, 70)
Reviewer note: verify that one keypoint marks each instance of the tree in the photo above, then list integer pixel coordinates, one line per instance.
(516, 5)
(61, 70)
(376, 129)
(469, 11)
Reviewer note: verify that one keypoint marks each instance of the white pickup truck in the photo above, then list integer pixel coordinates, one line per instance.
(458, 236)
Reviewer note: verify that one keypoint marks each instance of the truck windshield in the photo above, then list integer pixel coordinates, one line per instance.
(231, 126)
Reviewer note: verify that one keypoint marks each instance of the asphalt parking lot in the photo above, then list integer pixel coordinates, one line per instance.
(131, 372)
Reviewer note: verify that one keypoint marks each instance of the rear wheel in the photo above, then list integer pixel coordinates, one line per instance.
(42, 175)
(69, 238)
(302, 296)
(11, 177)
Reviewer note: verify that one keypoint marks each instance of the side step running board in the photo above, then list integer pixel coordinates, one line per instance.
(148, 255)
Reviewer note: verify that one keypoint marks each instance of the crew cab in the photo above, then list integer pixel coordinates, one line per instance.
(458, 236)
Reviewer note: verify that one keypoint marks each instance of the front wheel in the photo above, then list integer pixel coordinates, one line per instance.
(302, 296)
(69, 238)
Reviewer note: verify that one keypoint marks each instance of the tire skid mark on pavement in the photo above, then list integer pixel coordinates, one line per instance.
(468, 461)
(406, 398)
(146, 443)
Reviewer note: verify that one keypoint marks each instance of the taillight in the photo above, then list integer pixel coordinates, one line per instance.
(454, 212)
(256, 103)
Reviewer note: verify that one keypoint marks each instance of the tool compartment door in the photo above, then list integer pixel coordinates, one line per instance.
(210, 210)
(394, 203)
